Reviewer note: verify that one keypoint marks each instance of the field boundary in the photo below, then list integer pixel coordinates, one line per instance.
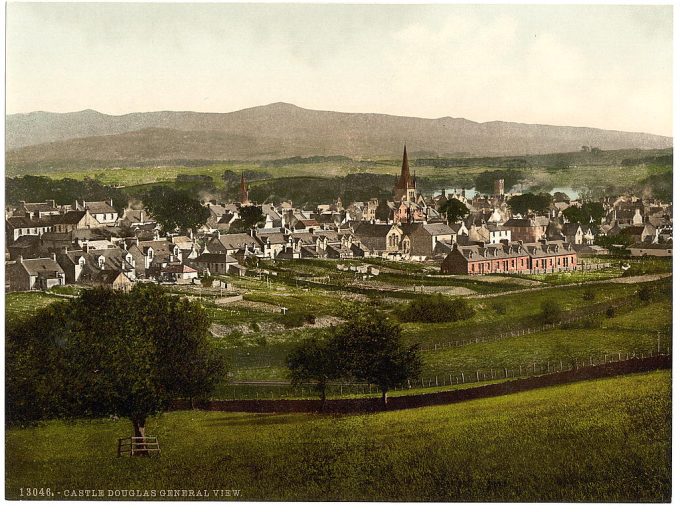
(361, 405)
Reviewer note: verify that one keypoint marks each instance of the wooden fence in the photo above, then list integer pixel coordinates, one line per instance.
(356, 405)
(137, 445)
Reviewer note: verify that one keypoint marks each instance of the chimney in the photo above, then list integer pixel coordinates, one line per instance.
(110, 202)
(20, 258)
(53, 256)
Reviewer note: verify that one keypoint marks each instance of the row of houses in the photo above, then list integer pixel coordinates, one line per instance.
(510, 257)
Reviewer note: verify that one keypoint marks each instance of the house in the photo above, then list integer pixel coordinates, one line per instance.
(232, 243)
(641, 233)
(102, 211)
(498, 233)
(19, 226)
(133, 218)
(27, 246)
(34, 274)
(73, 264)
(217, 263)
(480, 258)
(573, 233)
(272, 241)
(551, 256)
(525, 230)
(37, 210)
(660, 250)
(425, 237)
(178, 272)
(74, 219)
(114, 279)
(381, 239)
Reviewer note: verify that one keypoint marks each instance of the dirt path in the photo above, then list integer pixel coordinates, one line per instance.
(619, 280)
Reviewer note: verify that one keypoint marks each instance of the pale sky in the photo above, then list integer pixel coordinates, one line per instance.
(601, 66)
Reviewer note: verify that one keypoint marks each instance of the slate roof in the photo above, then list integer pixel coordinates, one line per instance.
(99, 207)
(372, 230)
(491, 251)
(41, 266)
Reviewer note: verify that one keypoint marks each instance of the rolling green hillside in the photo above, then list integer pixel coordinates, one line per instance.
(606, 440)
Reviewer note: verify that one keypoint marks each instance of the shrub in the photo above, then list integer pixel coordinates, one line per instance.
(292, 319)
(261, 341)
(551, 312)
(255, 326)
(645, 293)
(435, 308)
(500, 307)
(589, 295)
(310, 318)
(610, 312)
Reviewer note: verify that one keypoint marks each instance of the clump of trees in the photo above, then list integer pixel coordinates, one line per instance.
(530, 202)
(454, 210)
(34, 189)
(109, 353)
(368, 349)
(589, 213)
(484, 182)
(175, 210)
(435, 308)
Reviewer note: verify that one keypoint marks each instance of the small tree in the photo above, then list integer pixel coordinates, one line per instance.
(454, 210)
(370, 349)
(313, 360)
(175, 210)
(551, 312)
(250, 215)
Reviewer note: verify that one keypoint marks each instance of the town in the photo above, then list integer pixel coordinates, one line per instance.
(92, 243)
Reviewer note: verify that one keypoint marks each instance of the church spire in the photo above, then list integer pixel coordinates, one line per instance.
(405, 173)
(244, 190)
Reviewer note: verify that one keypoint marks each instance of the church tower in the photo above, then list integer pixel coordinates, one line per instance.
(405, 186)
(244, 191)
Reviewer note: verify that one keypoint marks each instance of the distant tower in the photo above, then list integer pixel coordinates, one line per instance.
(499, 187)
(244, 191)
(405, 186)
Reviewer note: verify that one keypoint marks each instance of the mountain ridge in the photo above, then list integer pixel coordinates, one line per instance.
(284, 130)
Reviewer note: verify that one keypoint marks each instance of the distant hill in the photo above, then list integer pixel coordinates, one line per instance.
(282, 130)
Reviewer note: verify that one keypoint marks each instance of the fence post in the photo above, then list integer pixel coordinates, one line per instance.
(436, 381)
(477, 375)
(506, 373)
(462, 376)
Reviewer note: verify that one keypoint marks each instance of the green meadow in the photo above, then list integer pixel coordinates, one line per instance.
(605, 440)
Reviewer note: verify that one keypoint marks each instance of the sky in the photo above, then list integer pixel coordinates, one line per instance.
(602, 66)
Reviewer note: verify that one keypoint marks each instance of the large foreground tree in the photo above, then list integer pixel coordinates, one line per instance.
(110, 353)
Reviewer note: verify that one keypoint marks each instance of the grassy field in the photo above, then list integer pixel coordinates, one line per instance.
(582, 177)
(607, 440)
(18, 305)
